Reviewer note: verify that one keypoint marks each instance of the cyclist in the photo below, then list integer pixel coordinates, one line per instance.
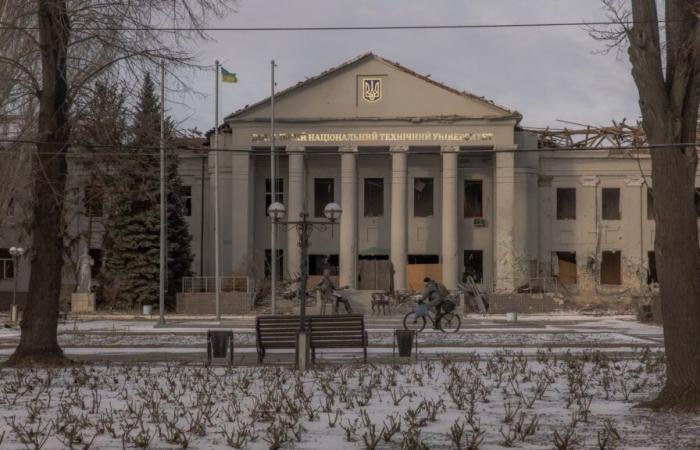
(434, 298)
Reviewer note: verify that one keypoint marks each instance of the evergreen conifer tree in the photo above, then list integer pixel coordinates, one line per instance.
(132, 232)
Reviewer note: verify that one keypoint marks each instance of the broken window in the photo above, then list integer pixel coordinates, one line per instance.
(564, 267)
(374, 197)
(424, 259)
(473, 198)
(566, 203)
(422, 197)
(323, 194)
(268, 263)
(473, 265)
(651, 272)
(611, 267)
(279, 192)
(650, 204)
(94, 197)
(611, 204)
(186, 194)
(697, 202)
(317, 263)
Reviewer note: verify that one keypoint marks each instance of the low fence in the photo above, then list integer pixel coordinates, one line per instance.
(198, 296)
(208, 284)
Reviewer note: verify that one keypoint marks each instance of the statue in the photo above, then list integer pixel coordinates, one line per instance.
(85, 264)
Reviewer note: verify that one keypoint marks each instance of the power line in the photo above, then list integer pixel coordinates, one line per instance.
(138, 150)
(359, 27)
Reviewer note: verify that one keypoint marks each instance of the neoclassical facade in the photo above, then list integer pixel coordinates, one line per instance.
(425, 174)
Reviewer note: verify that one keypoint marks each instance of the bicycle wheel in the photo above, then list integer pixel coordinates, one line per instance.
(450, 322)
(413, 322)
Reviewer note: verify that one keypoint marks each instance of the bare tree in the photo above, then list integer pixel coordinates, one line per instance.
(71, 44)
(666, 69)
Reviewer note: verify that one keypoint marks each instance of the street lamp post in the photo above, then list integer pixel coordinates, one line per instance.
(16, 253)
(304, 227)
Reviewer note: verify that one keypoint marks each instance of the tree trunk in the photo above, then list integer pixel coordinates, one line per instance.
(669, 105)
(39, 341)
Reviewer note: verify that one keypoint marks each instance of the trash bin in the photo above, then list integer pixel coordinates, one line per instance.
(219, 344)
(147, 310)
(404, 340)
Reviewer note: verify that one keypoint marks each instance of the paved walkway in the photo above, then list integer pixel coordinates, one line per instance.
(182, 340)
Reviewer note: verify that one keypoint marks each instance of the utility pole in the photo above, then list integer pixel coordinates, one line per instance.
(163, 193)
(273, 190)
(217, 257)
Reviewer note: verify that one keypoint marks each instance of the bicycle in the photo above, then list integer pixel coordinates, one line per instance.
(447, 322)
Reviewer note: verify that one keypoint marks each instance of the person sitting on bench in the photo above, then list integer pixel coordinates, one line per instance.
(327, 289)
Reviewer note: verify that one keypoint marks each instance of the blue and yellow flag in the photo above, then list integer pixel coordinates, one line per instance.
(228, 77)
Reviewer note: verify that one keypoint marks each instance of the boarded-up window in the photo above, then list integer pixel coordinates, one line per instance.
(473, 198)
(611, 267)
(652, 277)
(279, 193)
(566, 203)
(374, 197)
(473, 265)
(323, 194)
(268, 263)
(611, 204)
(650, 204)
(564, 267)
(422, 197)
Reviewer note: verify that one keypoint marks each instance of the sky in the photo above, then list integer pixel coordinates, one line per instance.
(547, 74)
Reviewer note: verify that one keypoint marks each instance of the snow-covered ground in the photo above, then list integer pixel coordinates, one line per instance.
(496, 399)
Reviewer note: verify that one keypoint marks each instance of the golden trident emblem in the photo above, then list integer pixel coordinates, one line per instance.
(371, 89)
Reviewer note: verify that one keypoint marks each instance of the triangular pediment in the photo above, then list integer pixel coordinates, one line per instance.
(371, 87)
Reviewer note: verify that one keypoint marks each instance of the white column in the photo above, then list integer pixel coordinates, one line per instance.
(295, 205)
(348, 219)
(399, 215)
(240, 217)
(450, 228)
(504, 194)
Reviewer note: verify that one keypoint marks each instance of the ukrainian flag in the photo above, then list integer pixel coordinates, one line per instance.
(228, 77)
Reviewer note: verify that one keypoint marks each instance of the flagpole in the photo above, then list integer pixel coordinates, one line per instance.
(163, 210)
(217, 269)
(273, 186)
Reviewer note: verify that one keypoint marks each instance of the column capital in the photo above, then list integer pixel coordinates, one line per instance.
(295, 149)
(398, 149)
(449, 149)
(347, 149)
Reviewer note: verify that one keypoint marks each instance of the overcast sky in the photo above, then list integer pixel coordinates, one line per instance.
(545, 73)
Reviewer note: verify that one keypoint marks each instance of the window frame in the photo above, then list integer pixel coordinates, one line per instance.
(417, 196)
(380, 202)
(560, 215)
(480, 183)
(318, 208)
(279, 193)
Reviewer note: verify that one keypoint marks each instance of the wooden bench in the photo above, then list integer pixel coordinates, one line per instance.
(346, 331)
(276, 332)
